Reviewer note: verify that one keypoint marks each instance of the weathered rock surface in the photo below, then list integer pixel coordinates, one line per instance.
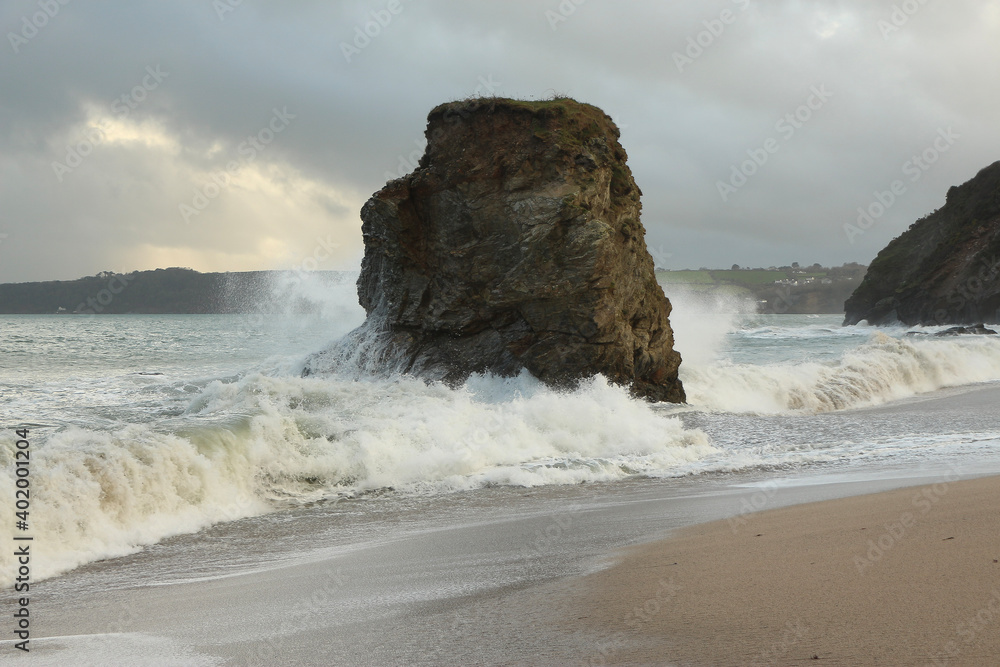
(944, 269)
(516, 244)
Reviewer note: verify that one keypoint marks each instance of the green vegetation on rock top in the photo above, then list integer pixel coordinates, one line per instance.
(559, 105)
(575, 121)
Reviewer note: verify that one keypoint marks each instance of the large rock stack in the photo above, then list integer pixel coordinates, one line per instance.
(516, 244)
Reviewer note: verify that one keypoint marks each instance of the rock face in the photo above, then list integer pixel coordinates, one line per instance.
(944, 269)
(516, 244)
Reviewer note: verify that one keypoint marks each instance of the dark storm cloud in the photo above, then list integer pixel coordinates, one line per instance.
(698, 88)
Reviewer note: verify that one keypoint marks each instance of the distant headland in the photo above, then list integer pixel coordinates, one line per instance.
(173, 291)
(179, 291)
(944, 268)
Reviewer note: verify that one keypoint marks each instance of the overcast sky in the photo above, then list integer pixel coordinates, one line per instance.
(118, 120)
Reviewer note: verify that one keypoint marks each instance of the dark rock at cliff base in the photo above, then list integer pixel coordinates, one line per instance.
(516, 244)
(977, 330)
(945, 269)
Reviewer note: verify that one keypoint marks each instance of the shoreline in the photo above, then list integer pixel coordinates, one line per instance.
(903, 577)
(512, 575)
(515, 582)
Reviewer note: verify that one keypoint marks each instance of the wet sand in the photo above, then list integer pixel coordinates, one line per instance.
(523, 578)
(905, 577)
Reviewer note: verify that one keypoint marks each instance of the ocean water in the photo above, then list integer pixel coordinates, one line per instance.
(147, 427)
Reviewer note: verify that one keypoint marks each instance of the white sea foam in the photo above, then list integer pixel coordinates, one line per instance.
(811, 367)
(882, 369)
(247, 447)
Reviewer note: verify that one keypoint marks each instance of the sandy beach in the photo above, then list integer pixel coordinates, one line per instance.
(904, 577)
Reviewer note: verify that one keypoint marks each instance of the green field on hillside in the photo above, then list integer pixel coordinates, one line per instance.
(749, 277)
(686, 277)
(796, 293)
(724, 276)
(710, 290)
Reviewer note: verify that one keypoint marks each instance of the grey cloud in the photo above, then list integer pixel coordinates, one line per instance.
(354, 120)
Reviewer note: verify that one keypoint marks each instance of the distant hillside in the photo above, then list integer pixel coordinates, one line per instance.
(944, 268)
(163, 291)
(788, 289)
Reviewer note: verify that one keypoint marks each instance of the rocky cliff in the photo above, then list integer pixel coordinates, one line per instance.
(944, 269)
(516, 244)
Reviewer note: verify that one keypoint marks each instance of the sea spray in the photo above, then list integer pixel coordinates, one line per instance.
(296, 299)
(702, 322)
